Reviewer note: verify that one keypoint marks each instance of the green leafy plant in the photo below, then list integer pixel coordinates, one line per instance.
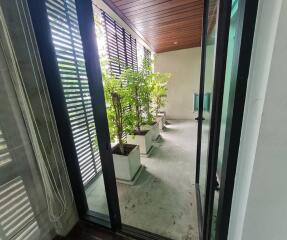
(159, 90)
(147, 91)
(117, 97)
(136, 97)
(132, 99)
(148, 111)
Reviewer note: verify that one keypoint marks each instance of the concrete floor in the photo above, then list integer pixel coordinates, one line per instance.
(163, 200)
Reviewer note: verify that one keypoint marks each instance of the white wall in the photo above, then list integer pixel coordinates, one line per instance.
(259, 205)
(184, 66)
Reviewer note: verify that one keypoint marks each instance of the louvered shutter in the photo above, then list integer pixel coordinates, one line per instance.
(134, 53)
(69, 52)
(114, 45)
(121, 46)
(131, 51)
(121, 49)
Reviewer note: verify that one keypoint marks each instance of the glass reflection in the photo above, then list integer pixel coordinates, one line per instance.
(227, 89)
(208, 88)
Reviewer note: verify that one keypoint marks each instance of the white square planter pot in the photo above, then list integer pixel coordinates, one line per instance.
(144, 141)
(154, 130)
(126, 167)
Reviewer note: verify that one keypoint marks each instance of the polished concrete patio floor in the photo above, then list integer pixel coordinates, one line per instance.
(163, 200)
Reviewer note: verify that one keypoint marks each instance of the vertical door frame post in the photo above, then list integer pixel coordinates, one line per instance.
(89, 41)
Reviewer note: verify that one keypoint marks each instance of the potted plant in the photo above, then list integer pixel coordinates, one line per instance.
(150, 122)
(158, 93)
(137, 88)
(126, 156)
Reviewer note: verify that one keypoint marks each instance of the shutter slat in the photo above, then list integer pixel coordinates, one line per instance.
(121, 46)
(69, 52)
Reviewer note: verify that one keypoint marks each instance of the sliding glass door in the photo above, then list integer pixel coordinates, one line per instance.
(226, 52)
(65, 33)
(224, 115)
(73, 76)
(207, 93)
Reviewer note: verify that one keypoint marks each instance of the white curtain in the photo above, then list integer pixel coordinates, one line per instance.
(34, 184)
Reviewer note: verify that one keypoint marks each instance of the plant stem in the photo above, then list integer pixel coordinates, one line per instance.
(119, 124)
(138, 120)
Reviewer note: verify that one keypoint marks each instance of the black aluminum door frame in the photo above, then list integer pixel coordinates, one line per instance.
(200, 115)
(43, 36)
(247, 12)
(39, 16)
(223, 21)
(93, 67)
(86, 24)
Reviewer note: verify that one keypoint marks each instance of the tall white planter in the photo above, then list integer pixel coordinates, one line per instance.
(144, 141)
(154, 130)
(126, 167)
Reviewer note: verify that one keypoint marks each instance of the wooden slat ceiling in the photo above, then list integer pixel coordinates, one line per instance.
(166, 25)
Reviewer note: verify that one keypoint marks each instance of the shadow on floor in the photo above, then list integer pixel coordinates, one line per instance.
(163, 200)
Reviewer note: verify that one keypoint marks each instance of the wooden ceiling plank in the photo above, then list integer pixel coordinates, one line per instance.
(172, 26)
(174, 48)
(155, 17)
(126, 20)
(162, 7)
(166, 24)
(187, 17)
(188, 37)
(171, 43)
(180, 35)
(119, 3)
(136, 6)
(171, 40)
(167, 11)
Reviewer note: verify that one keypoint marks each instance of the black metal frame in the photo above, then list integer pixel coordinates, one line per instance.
(140, 234)
(199, 211)
(43, 35)
(240, 70)
(86, 25)
(200, 115)
(87, 31)
(247, 12)
(223, 23)
(201, 87)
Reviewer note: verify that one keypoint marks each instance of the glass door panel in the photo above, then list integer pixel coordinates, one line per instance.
(226, 101)
(69, 88)
(78, 100)
(208, 88)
